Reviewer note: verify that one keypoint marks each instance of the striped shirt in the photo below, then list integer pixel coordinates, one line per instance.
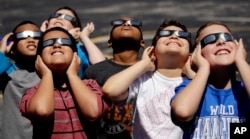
(67, 123)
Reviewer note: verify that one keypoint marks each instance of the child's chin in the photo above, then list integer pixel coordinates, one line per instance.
(59, 67)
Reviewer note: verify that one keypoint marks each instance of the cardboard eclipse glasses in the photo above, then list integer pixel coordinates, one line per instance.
(64, 16)
(28, 33)
(178, 33)
(61, 41)
(120, 22)
(212, 38)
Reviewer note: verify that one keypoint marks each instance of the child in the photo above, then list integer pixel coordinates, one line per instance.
(61, 102)
(125, 40)
(150, 88)
(68, 19)
(214, 98)
(17, 74)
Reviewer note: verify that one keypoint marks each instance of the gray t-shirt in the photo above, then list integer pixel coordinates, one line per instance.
(14, 125)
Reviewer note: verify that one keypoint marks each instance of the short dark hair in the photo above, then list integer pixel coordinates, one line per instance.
(23, 23)
(40, 42)
(167, 23)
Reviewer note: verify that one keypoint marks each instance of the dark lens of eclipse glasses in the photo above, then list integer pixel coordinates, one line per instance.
(178, 33)
(212, 38)
(135, 23)
(64, 16)
(61, 41)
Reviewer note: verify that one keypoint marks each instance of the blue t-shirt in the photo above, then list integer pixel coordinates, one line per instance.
(82, 53)
(218, 108)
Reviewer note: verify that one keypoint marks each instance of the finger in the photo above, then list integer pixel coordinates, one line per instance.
(75, 57)
(37, 61)
(7, 36)
(194, 53)
(10, 46)
(236, 42)
(92, 26)
(240, 42)
(198, 49)
(149, 50)
(3, 45)
(87, 25)
(78, 58)
(77, 29)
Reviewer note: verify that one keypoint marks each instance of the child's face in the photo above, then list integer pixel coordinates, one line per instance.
(57, 56)
(172, 45)
(60, 21)
(126, 31)
(220, 52)
(27, 46)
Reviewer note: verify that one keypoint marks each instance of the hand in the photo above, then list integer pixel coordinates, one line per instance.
(88, 29)
(44, 26)
(241, 53)
(197, 59)
(4, 48)
(75, 32)
(74, 66)
(187, 69)
(149, 58)
(41, 68)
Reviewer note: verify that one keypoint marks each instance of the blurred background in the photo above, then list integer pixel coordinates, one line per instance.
(192, 13)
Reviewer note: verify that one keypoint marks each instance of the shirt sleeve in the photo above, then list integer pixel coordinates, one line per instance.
(25, 101)
(5, 63)
(82, 53)
(103, 102)
(179, 88)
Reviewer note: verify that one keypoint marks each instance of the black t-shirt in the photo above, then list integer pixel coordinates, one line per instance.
(117, 123)
(103, 70)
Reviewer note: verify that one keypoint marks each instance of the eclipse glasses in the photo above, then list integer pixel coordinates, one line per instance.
(61, 41)
(178, 33)
(120, 22)
(28, 33)
(64, 16)
(212, 38)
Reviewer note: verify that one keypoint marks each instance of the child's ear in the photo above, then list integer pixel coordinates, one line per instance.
(109, 43)
(142, 43)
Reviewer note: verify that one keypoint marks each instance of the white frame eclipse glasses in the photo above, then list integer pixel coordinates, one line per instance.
(61, 41)
(28, 33)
